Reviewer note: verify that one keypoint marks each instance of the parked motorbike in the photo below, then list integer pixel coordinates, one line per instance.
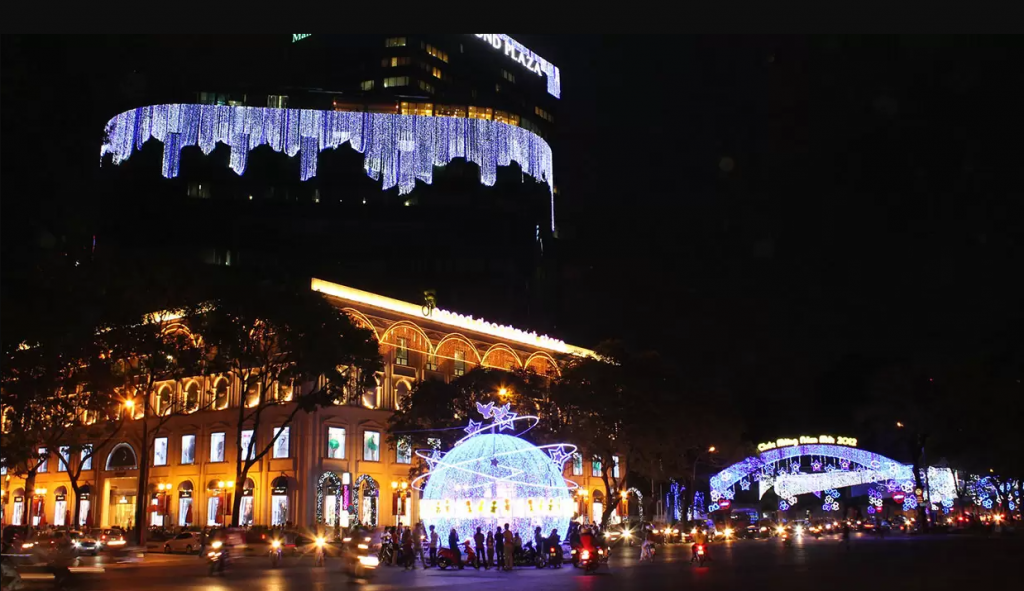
(525, 556)
(217, 557)
(446, 557)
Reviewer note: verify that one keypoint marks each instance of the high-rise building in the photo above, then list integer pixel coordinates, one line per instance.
(395, 163)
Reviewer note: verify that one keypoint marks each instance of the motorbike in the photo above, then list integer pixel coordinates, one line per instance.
(275, 553)
(554, 557)
(360, 564)
(387, 552)
(318, 557)
(526, 556)
(446, 557)
(217, 557)
(647, 552)
(787, 540)
(588, 560)
(700, 554)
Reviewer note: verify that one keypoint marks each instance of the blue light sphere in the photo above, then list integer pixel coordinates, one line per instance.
(489, 480)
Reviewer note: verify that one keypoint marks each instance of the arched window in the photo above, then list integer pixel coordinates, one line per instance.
(401, 393)
(246, 510)
(252, 394)
(190, 398)
(279, 501)
(60, 506)
(164, 400)
(221, 394)
(122, 457)
(185, 515)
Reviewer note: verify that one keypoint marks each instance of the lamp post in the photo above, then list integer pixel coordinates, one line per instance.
(400, 490)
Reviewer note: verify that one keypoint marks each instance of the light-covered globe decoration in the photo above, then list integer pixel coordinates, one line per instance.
(490, 479)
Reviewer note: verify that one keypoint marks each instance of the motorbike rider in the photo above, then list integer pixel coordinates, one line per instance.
(553, 542)
(539, 541)
(700, 538)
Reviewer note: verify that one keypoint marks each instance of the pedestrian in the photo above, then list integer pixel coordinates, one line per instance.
(846, 535)
(453, 545)
(481, 557)
(418, 535)
(517, 544)
(509, 549)
(490, 550)
(499, 548)
(434, 539)
(408, 557)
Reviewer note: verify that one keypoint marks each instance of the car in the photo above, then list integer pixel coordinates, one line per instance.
(109, 538)
(187, 542)
(84, 543)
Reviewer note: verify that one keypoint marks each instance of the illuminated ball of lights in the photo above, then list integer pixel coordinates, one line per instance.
(835, 506)
(490, 480)
(783, 506)
(871, 509)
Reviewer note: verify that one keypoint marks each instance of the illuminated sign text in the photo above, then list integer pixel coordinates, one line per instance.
(807, 440)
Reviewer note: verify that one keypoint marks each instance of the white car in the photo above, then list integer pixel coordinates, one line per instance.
(187, 542)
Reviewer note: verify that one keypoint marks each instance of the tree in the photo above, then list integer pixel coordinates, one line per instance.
(288, 349)
(152, 352)
(51, 387)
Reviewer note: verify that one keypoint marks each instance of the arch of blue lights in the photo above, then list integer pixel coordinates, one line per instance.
(832, 467)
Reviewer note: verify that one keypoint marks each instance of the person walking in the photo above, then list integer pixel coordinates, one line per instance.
(509, 550)
(499, 548)
(418, 535)
(481, 557)
(490, 550)
(434, 540)
(453, 545)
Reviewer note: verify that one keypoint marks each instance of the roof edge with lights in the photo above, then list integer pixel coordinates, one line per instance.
(455, 320)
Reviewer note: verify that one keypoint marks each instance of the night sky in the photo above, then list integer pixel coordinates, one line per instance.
(779, 215)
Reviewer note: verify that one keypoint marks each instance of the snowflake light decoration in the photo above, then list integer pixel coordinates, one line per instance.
(783, 506)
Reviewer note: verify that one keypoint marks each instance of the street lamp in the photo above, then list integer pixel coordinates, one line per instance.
(502, 392)
(711, 449)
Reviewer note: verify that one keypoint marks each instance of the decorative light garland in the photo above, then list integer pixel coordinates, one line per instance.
(332, 479)
(372, 492)
(399, 149)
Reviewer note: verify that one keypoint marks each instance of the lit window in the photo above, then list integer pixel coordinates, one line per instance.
(283, 442)
(220, 393)
(595, 467)
(252, 394)
(246, 443)
(480, 113)
(371, 446)
(425, 87)
(188, 449)
(190, 397)
(336, 443)
(160, 451)
(503, 117)
(577, 465)
(164, 400)
(437, 53)
(63, 458)
(42, 460)
(460, 363)
(402, 352)
(394, 62)
(432, 362)
(403, 451)
(436, 72)
(277, 101)
(508, 76)
(449, 111)
(615, 466)
(217, 447)
(396, 81)
(87, 457)
(426, 109)
(366, 85)
(394, 42)
(544, 114)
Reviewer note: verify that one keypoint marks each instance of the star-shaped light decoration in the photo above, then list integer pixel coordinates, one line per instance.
(473, 426)
(745, 484)
(559, 457)
(506, 421)
(487, 410)
(494, 462)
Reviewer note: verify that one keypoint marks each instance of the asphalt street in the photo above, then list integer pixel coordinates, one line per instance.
(897, 562)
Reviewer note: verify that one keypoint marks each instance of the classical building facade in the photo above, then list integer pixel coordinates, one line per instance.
(332, 466)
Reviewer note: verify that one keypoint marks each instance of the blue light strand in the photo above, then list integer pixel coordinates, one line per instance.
(398, 149)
